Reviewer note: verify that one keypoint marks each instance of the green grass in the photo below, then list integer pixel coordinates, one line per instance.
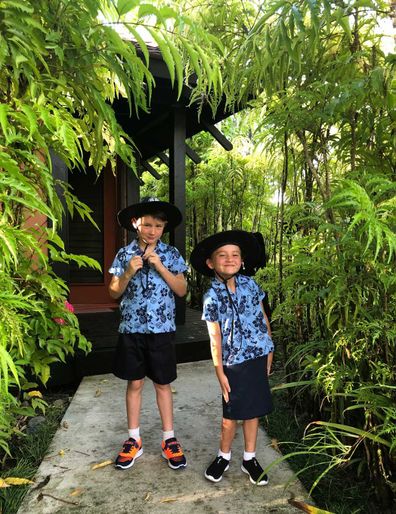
(339, 491)
(27, 453)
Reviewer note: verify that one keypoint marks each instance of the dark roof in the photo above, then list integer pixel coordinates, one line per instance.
(152, 131)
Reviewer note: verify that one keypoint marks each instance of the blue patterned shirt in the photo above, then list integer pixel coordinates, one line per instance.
(243, 328)
(148, 303)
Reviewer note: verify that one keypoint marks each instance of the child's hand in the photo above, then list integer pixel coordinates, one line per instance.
(225, 387)
(134, 265)
(154, 260)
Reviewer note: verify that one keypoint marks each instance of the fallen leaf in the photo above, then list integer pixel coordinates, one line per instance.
(102, 464)
(3, 484)
(76, 492)
(98, 392)
(17, 481)
(168, 500)
(34, 394)
(61, 453)
(275, 444)
(147, 497)
(305, 507)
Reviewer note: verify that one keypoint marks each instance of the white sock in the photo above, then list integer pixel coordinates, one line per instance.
(248, 455)
(226, 456)
(134, 433)
(167, 434)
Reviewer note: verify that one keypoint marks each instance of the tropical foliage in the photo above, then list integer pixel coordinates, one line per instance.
(62, 63)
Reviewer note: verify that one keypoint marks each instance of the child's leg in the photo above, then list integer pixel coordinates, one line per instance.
(216, 469)
(250, 429)
(165, 405)
(134, 402)
(171, 449)
(250, 465)
(228, 428)
(132, 448)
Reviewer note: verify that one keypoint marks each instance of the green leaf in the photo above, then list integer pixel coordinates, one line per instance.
(146, 10)
(353, 431)
(125, 6)
(140, 40)
(165, 52)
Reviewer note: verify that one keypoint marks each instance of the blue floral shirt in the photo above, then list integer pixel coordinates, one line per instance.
(148, 303)
(243, 327)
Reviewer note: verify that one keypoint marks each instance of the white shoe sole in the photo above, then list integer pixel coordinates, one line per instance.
(170, 465)
(262, 482)
(213, 479)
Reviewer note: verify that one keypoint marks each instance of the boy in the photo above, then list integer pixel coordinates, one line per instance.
(146, 274)
(241, 344)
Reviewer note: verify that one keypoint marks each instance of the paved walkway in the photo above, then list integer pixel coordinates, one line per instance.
(94, 427)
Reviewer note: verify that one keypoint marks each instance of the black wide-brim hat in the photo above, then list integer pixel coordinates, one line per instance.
(245, 240)
(150, 206)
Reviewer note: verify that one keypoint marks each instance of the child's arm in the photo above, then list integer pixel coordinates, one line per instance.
(271, 354)
(177, 283)
(119, 284)
(215, 348)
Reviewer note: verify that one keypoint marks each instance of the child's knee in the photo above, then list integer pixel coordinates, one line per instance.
(135, 385)
(228, 424)
(162, 387)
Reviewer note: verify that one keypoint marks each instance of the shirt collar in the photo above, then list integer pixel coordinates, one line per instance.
(217, 284)
(134, 246)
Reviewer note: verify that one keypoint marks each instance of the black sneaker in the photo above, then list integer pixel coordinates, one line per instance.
(215, 471)
(131, 450)
(255, 472)
(173, 453)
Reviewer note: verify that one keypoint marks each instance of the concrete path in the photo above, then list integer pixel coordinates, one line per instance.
(94, 428)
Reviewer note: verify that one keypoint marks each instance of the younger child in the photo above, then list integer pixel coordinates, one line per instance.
(241, 344)
(146, 274)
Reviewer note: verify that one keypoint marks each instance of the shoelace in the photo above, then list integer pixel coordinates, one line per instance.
(129, 445)
(175, 449)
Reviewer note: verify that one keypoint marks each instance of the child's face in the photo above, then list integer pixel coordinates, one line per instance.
(226, 260)
(149, 229)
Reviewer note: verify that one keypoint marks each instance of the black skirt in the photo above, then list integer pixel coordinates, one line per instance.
(250, 395)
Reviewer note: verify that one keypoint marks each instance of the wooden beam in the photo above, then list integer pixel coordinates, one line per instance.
(193, 155)
(227, 145)
(150, 169)
(164, 158)
(153, 123)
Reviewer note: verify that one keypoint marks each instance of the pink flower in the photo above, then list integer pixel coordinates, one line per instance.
(69, 306)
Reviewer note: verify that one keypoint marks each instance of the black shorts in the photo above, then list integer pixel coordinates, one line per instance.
(146, 355)
(250, 395)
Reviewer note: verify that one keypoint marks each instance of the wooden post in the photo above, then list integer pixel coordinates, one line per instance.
(60, 172)
(177, 190)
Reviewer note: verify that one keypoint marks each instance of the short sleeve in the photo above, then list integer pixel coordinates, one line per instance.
(117, 267)
(210, 311)
(258, 291)
(177, 263)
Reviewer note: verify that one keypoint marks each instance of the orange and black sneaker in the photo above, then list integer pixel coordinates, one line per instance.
(173, 453)
(131, 450)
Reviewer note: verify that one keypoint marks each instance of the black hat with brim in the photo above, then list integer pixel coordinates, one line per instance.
(245, 240)
(148, 207)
